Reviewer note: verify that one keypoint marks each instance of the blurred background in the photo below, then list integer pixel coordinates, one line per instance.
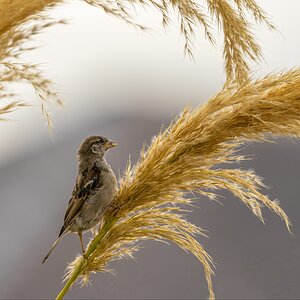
(124, 84)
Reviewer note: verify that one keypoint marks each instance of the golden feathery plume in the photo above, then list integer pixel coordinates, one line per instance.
(20, 20)
(239, 42)
(186, 158)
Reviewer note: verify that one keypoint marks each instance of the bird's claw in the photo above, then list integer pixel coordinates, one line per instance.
(115, 206)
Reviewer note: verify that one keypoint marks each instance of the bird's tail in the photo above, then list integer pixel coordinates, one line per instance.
(52, 248)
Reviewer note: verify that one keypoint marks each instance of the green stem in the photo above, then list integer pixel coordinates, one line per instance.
(89, 251)
(70, 281)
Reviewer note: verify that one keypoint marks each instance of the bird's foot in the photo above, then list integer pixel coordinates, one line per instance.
(115, 207)
(95, 230)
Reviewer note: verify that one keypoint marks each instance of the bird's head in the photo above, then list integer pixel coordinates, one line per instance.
(95, 146)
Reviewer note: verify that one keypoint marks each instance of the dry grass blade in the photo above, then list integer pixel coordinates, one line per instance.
(6, 109)
(185, 158)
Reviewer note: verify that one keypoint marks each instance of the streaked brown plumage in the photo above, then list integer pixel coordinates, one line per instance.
(95, 187)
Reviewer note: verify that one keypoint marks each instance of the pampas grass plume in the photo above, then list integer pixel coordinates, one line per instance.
(186, 158)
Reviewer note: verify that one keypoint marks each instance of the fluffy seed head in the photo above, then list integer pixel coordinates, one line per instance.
(192, 155)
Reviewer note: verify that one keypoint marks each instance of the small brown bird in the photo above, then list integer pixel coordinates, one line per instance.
(94, 190)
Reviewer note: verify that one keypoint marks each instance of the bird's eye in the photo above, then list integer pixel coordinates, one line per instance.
(101, 141)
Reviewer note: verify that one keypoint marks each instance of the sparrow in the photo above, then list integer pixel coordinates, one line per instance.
(93, 192)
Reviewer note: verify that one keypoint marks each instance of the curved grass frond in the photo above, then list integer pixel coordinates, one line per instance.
(14, 72)
(186, 158)
(20, 20)
(252, 7)
(240, 45)
(8, 108)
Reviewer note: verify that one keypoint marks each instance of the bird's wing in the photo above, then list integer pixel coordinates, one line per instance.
(87, 185)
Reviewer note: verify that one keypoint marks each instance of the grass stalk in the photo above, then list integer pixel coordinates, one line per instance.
(93, 245)
(70, 282)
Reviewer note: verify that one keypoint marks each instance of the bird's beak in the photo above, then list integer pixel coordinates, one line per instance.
(110, 144)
